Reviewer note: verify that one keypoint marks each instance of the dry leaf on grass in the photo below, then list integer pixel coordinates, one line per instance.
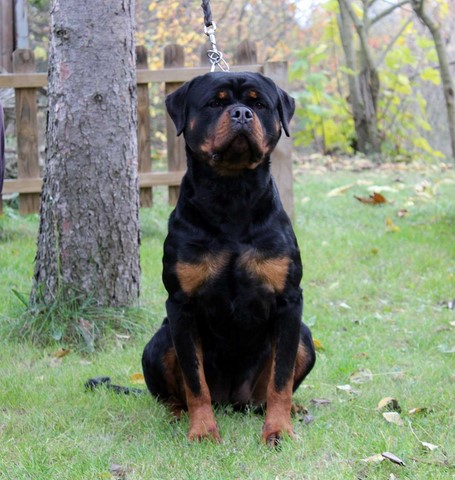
(390, 404)
(393, 417)
(390, 226)
(393, 458)
(402, 213)
(137, 378)
(318, 346)
(374, 199)
(62, 352)
(348, 389)
(419, 410)
(446, 348)
(361, 376)
(378, 458)
(429, 446)
(345, 306)
(320, 401)
(117, 471)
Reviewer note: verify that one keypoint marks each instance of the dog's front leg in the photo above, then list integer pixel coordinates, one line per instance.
(279, 390)
(190, 356)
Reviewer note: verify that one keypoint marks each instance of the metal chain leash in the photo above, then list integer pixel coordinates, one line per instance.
(215, 56)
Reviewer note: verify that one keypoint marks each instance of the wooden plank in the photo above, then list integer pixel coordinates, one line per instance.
(282, 156)
(27, 131)
(179, 75)
(155, 179)
(143, 127)
(151, 179)
(174, 57)
(22, 185)
(23, 80)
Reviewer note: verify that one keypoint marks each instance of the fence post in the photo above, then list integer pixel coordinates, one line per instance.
(282, 156)
(143, 127)
(26, 131)
(246, 53)
(174, 57)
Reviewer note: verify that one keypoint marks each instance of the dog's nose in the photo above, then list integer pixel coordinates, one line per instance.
(242, 115)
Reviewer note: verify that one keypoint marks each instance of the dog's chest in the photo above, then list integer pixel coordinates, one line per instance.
(231, 272)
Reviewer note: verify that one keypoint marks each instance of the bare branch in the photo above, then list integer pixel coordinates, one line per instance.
(388, 11)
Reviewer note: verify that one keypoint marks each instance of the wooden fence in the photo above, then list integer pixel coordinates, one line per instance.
(25, 81)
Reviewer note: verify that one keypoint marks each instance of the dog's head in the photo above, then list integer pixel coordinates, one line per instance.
(232, 121)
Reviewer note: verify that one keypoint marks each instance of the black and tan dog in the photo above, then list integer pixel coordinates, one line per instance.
(231, 266)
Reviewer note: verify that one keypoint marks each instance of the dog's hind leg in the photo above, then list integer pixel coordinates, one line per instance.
(162, 371)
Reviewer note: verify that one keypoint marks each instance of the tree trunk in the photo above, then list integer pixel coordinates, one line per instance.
(364, 83)
(447, 82)
(88, 244)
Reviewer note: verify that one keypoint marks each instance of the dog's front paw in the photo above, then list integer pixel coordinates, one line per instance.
(273, 432)
(201, 431)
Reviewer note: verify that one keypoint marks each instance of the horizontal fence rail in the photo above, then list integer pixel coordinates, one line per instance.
(25, 82)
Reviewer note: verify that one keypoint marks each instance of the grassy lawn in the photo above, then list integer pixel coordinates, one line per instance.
(375, 281)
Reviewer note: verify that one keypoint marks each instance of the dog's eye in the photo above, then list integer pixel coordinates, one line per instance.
(260, 105)
(215, 104)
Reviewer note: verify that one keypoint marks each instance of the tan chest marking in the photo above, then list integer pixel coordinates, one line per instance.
(272, 271)
(193, 275)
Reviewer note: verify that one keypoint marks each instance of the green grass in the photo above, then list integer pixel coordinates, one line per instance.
(373, 299)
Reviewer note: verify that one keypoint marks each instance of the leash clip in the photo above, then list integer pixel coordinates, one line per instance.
(215, 56)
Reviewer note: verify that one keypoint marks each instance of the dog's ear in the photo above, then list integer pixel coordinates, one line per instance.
(286, 108)
(176, 106)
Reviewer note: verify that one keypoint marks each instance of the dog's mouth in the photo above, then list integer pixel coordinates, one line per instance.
(236, 154)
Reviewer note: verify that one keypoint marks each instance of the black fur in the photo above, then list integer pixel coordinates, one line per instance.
(231, 263)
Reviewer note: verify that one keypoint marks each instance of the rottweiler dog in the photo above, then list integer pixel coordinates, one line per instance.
(231, 265)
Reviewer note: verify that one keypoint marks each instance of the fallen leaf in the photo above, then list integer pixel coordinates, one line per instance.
(348, 389)
(306, 419)
(361, 355)
(361, 376)
(429, 446)
(321, 401)
(446, 349)
(378, 458)
(117, 471)
(137, 378)
(345, 306)
(390, 226)
(374, 199)
(393, 417)
(122, 337)
(336, 192)
(402, 213)
(62, 352)
(393, 458)
(390, 404)
(419, 410)
(318, 345)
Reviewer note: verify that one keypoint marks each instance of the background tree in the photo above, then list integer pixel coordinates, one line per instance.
(435, 29)
(89, 234)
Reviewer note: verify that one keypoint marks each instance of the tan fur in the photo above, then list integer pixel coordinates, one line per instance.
(193, 275)
(272, 271)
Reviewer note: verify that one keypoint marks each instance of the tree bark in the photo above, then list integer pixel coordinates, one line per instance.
(447, 82)
(88, 243)
(364, 86)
